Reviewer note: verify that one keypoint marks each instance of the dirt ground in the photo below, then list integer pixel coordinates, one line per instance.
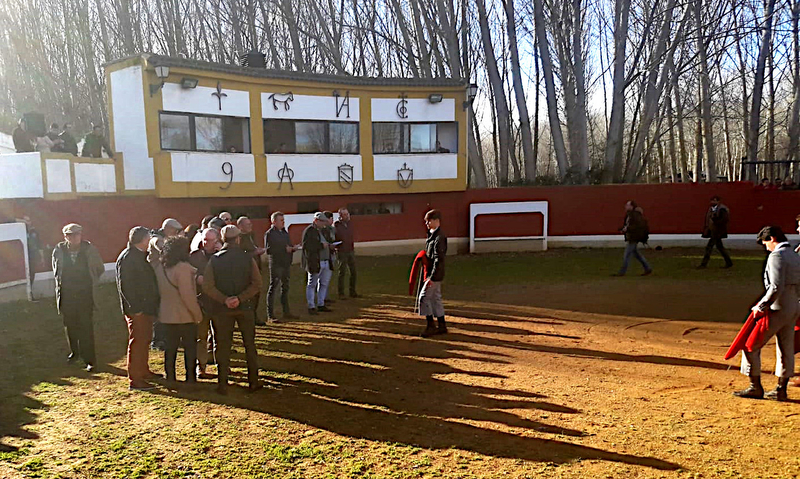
(585, 377)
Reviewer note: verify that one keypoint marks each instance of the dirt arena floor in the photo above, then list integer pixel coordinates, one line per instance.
(551, 369)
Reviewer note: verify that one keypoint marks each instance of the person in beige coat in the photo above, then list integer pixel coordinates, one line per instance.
(179, 311)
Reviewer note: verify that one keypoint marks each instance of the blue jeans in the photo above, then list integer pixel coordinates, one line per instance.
(318, 283)
(632, 250)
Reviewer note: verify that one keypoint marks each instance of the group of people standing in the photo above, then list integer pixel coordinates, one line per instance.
(60, 140)
(191, 288)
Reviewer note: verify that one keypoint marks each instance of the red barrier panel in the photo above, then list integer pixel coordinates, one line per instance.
(573, 210)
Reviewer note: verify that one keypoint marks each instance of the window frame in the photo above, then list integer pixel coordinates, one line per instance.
(193, 132)
(405, 136)
(327, 123)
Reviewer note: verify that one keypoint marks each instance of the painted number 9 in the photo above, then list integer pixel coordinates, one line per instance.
(227, 170)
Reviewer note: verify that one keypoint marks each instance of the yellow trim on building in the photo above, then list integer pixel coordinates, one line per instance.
(255, 85)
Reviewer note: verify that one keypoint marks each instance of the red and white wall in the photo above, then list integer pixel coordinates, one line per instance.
(579, 216)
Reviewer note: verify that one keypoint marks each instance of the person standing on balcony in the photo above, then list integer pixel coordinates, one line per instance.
(69, 144)
(95, 143)
(23, 140)
(77, 267)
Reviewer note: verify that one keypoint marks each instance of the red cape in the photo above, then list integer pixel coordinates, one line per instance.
(418, 269)
(751, 334)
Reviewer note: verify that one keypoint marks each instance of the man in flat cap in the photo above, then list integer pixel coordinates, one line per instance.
(781, 279)
(232, 281)
(316, 261)
(169, 227)
(77, 267)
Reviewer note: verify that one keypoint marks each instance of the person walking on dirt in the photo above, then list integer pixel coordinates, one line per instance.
(430, 296)
(716, 229)
(636, 231)
(781, 279)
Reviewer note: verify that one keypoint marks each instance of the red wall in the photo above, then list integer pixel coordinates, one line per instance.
(574, 210)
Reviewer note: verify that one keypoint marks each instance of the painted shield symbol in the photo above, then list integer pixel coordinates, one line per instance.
(405, 176)
(345, 176)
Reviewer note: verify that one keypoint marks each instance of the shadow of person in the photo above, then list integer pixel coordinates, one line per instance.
(381, 386)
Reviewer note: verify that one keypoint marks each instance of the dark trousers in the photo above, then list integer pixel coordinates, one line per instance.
(80, 330)
(278, 278)
(180, 335)
(159, 336)
(347, 261)
(223, 324)
(712, 242)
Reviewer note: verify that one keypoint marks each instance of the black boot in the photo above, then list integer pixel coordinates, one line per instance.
(755, 391)
(779, 393)
(442, 329)
(430, 329)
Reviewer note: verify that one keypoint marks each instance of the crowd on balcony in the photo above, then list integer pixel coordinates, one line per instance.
(60, 140)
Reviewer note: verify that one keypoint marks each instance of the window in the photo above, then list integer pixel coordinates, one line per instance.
(175, 132)
(310, 137)
(375, 208)
(307, 206)
(390, 138)
(190, 132)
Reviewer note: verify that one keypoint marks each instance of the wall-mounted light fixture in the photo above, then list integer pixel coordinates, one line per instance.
(435, 97)
(472, 92)
(162, 72)
(188, 83)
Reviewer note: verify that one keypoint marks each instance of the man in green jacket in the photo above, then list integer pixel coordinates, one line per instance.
(95, 143)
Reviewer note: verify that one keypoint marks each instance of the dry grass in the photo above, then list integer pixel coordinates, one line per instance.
(551, 369)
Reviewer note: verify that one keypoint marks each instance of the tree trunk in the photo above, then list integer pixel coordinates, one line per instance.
(501, 105)
(612, 164)
(758, 82)
(705, 96)
(291, 24)
(519, 94)
(549, 83)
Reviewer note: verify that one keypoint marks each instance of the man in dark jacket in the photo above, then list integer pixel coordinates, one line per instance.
(69, 145)
(232, 281)
(139, 300)
(23, 139)
(346, 252)
(316, 261)
(636, 231)
(279, 251)
(248, 244)
(199, 259)
(715, 229)
(95, 143)
(77, 268)
(430, 296)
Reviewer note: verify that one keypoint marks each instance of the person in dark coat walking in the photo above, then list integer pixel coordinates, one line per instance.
(716, 229)
(430, 296)
(232, 280)
(636, 231)
(139, 299)
(77, 267)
